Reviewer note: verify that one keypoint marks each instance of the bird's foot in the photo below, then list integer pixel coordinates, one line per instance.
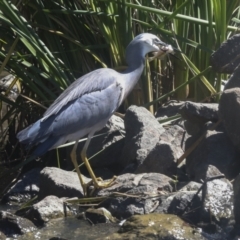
(99, 183)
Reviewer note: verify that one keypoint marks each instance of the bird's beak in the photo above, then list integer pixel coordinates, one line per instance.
(164, 49)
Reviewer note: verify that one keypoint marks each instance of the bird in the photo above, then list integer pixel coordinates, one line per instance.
(87, 104)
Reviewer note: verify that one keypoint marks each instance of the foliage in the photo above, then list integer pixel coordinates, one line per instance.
(47, 44)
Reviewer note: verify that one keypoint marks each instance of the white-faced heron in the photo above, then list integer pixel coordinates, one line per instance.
(87, 104)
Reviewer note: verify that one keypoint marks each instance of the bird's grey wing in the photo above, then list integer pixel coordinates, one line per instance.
(78, 117)
(97, 80)
(87, 111)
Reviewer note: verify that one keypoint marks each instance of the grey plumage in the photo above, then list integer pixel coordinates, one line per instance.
(69, 112)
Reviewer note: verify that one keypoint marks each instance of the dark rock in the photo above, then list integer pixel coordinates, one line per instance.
(49, 208)
(169, 109)
(199, 113)
(142, 134)
(156, 226)
(60, 183)
(25, 188)
(226, 59)
(99, 215)
(134, 193)
(192, 128)
(234, 80)
(11, 224)
(215, 149)
(205, 172)
(229, 112)
(186, 204)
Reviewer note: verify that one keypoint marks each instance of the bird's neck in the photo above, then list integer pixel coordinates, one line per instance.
(132, 74)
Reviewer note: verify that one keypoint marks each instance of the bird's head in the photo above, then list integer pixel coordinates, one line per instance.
(143, 44)
(148, 42)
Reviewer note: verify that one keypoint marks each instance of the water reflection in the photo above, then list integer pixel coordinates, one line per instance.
(71, 228)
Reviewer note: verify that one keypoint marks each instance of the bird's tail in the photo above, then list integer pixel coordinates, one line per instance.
(37, 135)
(30, 135)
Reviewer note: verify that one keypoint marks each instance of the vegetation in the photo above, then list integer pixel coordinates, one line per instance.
(46, 45)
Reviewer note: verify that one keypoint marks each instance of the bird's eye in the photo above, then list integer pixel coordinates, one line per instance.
(156, 41)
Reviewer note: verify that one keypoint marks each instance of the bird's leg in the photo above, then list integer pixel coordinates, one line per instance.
(97, 182)
(73, 156)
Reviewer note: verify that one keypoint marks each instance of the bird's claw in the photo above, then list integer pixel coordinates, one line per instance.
(98, 183)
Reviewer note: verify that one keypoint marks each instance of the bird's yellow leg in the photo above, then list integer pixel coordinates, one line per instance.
(73, 156)
(97, 182)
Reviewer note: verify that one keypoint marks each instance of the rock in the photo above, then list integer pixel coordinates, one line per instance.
(229, 112)
(2, 236)
(215, 149)
(225, 59)
(177, 136)
(142, 134)
(169, 109)
(219, 199)
(5, 83)
(11, 224)
(189, 186)
(60, 183)
(205, 172)
(234, 80)
(156, 226)
(199, 113)
(185, 204)
(25, 188)
(210, 205)
(161, 159)
(99, 215)
(134, 193)
(49, 208)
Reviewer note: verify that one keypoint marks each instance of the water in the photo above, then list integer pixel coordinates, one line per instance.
(70, 228)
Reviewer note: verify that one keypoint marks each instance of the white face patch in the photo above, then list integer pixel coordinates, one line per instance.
(163, 51)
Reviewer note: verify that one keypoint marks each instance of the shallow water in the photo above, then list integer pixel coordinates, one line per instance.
(70, 228)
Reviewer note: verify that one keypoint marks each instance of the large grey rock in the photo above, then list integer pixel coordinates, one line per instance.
(60, 183)
(199, 113)
(25, 188)
(49, 208)
(142, 134)
(229, 112)
(138, 194)
(161, 159)
(225, 59)
(215, 149)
